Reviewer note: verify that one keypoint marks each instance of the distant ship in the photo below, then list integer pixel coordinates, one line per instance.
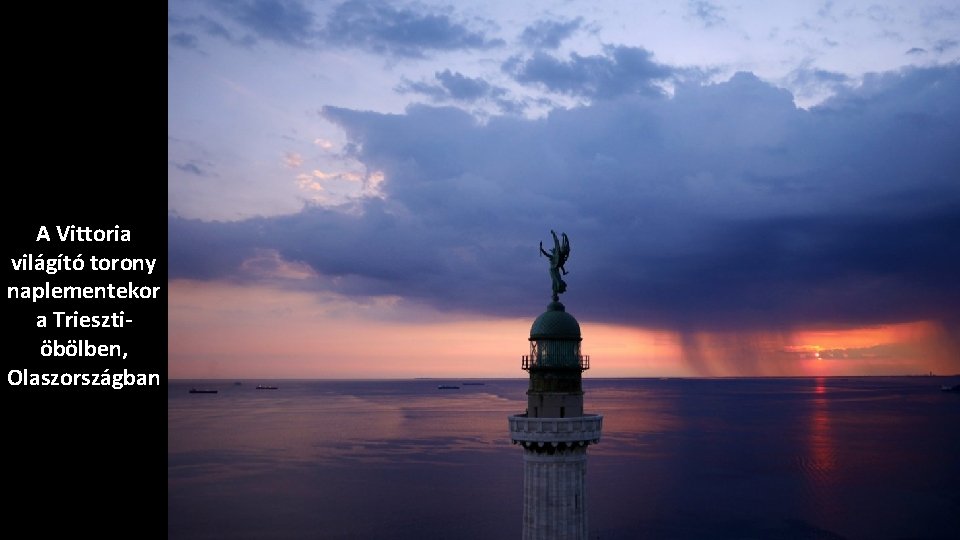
(473, 384)
(948, 388)
(448, 387)
(202, 391)
(265, 387)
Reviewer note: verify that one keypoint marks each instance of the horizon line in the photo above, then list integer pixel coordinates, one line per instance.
(665, 377)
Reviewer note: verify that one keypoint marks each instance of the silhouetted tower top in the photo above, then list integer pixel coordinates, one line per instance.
(555, 364)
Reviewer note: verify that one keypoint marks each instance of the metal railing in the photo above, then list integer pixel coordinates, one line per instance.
(529, 362)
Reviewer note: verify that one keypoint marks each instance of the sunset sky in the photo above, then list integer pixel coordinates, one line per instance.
(359, 188)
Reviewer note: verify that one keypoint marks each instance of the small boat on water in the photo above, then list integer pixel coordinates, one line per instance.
(202, 391)
(473, 384)
(949, 388)
(448, 387)
(265, 387)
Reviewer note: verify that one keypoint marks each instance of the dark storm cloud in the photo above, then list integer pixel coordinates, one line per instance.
(724, 206)
(548, 34)
(208, 250)
(383, 28)
(621, 70)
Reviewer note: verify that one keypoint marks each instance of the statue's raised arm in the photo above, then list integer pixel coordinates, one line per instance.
(564, 253)
(558, 257)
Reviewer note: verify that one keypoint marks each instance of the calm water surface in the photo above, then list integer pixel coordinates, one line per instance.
(828, 458)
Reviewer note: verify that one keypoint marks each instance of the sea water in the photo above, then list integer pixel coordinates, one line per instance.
(790, 458)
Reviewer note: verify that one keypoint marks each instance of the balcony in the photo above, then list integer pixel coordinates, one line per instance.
(581, 429)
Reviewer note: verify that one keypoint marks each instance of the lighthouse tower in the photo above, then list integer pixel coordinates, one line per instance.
(554, 432)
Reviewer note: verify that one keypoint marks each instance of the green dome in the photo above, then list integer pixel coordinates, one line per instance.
(555, 323)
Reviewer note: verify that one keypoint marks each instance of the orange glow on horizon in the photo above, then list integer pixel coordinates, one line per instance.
(869, 336)
(912, 348)
(230, 330)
